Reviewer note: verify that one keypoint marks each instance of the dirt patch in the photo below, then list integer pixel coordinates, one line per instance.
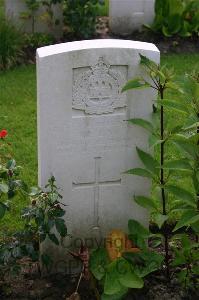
(31, 286)
(165, 45)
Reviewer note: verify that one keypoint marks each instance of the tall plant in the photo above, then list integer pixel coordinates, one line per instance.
(188, 143)
(160, 170)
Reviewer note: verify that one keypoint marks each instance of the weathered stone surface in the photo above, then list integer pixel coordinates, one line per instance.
(83, 137)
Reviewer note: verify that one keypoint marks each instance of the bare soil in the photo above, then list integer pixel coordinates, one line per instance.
(174, 44)
(30, 285)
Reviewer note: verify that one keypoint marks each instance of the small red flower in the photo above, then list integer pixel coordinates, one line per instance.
(3, 133)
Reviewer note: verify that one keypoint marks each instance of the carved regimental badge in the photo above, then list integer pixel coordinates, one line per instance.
(98, 90)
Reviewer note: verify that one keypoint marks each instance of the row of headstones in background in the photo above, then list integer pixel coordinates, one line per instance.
(125, 16)
(15, 8)
(83, 137)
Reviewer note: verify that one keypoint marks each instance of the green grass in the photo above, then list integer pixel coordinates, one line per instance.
(18, 116)
(182, 63)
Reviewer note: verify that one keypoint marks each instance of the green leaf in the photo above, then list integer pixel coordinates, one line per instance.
(142, 123)
(179, 206)
(53, 238)
(59, 212)
(16, 252)
(126, 275)
(137, 83)
(61, 227)
(193, 126)
(149, 162)
(147, 62)
(188, 217)
(180, 164)
(11, 164)
(190, 122)
(179, 260)
(152, 260)
(112, 285)
(98, 262)
(145, 202)
(195, 227)
(173, 86)
(154, 140)
(144, 262)
(3, 188)
(188, 148)
(3, 209)
(166, 31)
(46, 260)
(139, 172)
(159, 219)
(136, 228)
(117, 296)
(156, 240)
(34, 191)
(161, 75)
(174, 22)
(173, 105)
(181, 194)
(42, 237)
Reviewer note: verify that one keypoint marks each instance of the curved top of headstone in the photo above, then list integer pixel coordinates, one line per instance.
(94, 44)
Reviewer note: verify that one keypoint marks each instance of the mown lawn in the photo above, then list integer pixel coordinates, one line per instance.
(18, 116)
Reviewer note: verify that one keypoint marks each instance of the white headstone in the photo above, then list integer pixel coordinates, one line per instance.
(15, 8)
(127, 16)
(83, 137)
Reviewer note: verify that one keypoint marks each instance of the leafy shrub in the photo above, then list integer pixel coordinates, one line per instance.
(11, 43)
(180, 251)
(187, 258)
(38, 39)
(121, 265)
(163, 171)
(80, 17)
(176, 17)
(42, 218)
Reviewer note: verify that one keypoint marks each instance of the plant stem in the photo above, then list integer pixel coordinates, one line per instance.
(80, 278)
(33, 24)
(162, 162)
(164, 211)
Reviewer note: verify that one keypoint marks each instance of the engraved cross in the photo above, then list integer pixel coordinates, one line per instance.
(96, 188)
